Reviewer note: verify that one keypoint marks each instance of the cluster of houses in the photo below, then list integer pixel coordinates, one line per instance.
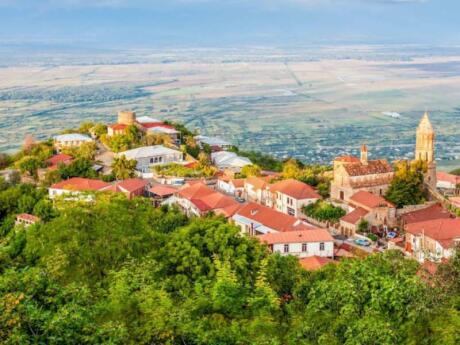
(269, 207)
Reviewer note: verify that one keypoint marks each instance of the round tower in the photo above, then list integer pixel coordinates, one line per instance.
(126, 117)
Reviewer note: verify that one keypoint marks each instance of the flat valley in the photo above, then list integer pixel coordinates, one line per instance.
(311, 103)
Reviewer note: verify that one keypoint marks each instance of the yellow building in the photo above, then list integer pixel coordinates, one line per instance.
(424, 148)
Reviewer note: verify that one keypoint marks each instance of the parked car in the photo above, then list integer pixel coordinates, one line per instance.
(362, 242)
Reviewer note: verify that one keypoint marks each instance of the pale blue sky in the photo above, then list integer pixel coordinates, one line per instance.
(143, 23)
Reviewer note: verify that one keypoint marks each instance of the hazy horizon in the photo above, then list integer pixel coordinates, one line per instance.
(141, 23)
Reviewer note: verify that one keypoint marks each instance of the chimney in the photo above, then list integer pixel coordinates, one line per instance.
(364, 154)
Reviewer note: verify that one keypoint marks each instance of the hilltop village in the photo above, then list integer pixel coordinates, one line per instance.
(320, 215)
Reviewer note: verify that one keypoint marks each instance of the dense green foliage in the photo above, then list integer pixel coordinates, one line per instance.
(456, 172)
(117, 271)
(407, 187)
(324, 211)
(265, 162)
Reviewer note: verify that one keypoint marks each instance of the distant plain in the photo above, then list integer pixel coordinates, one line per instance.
(309, 103)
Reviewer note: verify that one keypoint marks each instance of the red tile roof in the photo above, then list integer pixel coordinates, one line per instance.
(271, 218)
(295, 189)
(435, 211)
(59, 158)
(313, 263)
(131, 185)
(118, 126)
(28, 217)
(354, 216)
(162, 190)
(238, 182)
(258, 182)
(379, 166)
(300, 236)
(443, 176)
(347, 159)
(444, 231)
(369, 200)
(207, 199)
(156, 124)
(81, 184)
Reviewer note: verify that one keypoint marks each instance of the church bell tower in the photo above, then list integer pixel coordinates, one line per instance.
(424, 148)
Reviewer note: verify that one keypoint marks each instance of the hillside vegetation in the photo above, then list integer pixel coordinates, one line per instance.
(117, 271)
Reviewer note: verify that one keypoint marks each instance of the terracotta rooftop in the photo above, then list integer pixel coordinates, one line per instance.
(435, 211)
(271, 218)
(207, 199)
(131, 185)
(59, 158)
(156, 124)
(313, 263)
(162, 190)
(354, 216)
(369, 200)
(379, 166)
(347, 159)
(295, 189)
(81, 184)
(443, 176)
(258, 182)
(444, 231)
(28, 217)
(299, 236)
(118, 126)
(237, 182)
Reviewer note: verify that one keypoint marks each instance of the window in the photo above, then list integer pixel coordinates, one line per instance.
(304, 247)
(151, 160)
(291, 211)
(286, 248)
(321, 246)
(341, 195)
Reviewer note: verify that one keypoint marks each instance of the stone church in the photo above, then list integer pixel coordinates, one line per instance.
(353, 174)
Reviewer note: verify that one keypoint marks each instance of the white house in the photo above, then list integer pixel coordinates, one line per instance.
(76, 185)
(233, 187)
(432, 240)
(254, 219)
(149, 156)
(447, 182)
(289, 196)
(216, 144)
(256, 190)
(229, 160)
(70, 140)
(302, 243)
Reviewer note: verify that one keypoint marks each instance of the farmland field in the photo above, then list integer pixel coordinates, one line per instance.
(313, 104)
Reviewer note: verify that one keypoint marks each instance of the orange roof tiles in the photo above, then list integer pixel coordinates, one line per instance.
(354, 216)
(131, 185)
(347, 159)
(299, 236)
(207, 199)
(81, 184)
(118, 126)
(295, 189)
(367, 199)
(313, 263)
(162, 190)
(380, 166)
(59, 158)
(28, 217)
(271, 218)
(444, 231)
(443, 176)
(435, 211)
(258, 182)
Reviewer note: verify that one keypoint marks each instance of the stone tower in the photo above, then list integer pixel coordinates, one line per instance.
(424, 148)
(126, 117)
(364, 154)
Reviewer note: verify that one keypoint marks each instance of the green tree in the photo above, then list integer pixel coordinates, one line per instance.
(251, 170)
(123, 168)
(407, 187)
(29, 165)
